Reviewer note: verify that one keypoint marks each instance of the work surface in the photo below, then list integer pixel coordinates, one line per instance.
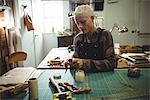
(63, 53)
(104, 85)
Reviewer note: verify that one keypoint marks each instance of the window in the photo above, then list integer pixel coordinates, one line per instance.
(55, 15)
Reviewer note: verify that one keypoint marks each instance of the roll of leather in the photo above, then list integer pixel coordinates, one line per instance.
(33, 89)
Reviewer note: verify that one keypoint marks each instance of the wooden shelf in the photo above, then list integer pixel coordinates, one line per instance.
(143, 33)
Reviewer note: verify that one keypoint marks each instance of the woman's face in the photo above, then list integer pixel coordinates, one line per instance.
(85, 23)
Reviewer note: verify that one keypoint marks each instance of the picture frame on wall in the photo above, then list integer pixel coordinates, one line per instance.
(98, 5)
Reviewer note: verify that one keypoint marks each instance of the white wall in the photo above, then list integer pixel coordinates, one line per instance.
(143, 14)
(65, 15)
(124, 13)
(49, 42)
(38, 38)
(31, 44)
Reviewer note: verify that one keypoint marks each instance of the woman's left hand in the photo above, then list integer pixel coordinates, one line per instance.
(74, 63)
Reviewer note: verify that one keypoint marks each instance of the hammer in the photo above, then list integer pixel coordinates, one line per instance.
(60, 95)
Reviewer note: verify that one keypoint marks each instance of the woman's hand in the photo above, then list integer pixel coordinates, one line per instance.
(74, 63)
(78, 62)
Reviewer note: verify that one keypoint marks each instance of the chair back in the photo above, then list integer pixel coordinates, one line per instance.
(16, 57)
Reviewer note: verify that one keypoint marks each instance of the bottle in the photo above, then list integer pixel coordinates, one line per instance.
(117, 49)
(33, 89)
(80, 76)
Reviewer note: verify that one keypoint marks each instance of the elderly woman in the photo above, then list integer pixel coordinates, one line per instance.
(94, 51)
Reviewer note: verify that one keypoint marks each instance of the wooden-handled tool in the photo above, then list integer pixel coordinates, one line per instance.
(71, 85)
(72, 88)
(60, 95)
(55, 84)
(83, 90)
(13, 88)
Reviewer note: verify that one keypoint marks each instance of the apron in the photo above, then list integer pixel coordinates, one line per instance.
(92, 50)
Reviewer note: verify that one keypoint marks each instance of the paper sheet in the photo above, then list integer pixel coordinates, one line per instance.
(132, 54)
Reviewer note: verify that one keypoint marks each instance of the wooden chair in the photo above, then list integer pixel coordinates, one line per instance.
(15, 57)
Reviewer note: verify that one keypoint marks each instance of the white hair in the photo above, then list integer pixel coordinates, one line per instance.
(84, 10)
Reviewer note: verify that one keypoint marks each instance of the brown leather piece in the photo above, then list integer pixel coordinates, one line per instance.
(28, 22)
(17, 56)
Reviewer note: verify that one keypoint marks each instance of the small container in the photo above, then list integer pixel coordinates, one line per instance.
(80, 76)
(117, 48)
(33, 89)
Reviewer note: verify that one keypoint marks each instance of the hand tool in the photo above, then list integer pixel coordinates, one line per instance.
(68, 88)
(60, 95)
(83, 90)
(72, 88)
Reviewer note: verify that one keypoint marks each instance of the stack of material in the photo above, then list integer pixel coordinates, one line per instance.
(16, 79)
(137, 59)
(131, 49)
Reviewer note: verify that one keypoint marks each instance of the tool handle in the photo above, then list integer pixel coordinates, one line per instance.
(66, 83)
(55, 84)
(68, 88)
(83, 90)
(73, 86)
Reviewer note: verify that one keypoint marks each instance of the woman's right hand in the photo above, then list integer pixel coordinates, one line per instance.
(74, 63)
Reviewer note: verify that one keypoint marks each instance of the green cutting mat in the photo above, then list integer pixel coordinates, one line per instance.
(105, 86)
(116, 85)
